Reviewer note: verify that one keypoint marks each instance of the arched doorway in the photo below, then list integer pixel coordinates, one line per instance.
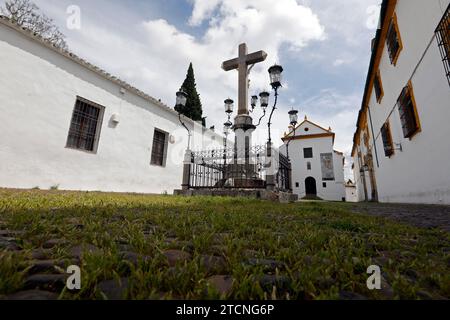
(310, 186)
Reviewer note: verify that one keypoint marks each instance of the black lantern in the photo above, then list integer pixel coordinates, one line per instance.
(227, 128)
(254, 102)
(264, 99)
(293, 117)
(229, 105)
(275, 76)
(181, 98)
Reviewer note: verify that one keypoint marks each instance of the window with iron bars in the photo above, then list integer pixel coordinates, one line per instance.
(394, 41)
(159, 148)
(85, 125)
(387, 140)
(407, 109)
(378, 87)
(443, 38)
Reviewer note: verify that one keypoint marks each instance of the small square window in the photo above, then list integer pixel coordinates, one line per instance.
(324, 184)
(297, 185)
(308, 153)
(308, 166)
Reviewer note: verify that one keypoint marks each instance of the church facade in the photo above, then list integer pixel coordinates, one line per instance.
(67, 124)
(317, 169)
(401, 147)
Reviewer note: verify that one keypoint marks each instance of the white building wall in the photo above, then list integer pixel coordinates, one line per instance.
(421, 172)
(360, 195)
(334, 190)
(38, 90)
(351, 194)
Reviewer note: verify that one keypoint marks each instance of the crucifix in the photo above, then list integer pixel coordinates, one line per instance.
(242, 63)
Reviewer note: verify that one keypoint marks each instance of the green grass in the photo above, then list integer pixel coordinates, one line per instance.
(325, 247)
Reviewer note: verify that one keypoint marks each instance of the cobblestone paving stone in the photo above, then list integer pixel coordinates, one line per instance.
(422, 216)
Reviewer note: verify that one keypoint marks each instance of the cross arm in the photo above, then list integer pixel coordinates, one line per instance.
(230, 64)
(256, 57)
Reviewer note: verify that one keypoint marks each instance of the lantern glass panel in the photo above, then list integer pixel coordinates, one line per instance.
(275, 76)
(181, 98)
(227, 128)
(229, 106)
(264, 99)
(293, 117)
(254, 101)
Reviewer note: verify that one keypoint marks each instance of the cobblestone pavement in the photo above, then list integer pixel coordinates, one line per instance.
(423, 216)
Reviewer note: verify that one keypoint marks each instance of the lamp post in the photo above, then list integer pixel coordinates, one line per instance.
(180, 104)
(293, 118)
(226, 132)
(275, 81)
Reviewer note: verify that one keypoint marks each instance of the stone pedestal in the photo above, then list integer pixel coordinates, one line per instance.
(243, 129)
(242, 169)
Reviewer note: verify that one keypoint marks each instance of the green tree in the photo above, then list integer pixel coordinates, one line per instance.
(193, 108)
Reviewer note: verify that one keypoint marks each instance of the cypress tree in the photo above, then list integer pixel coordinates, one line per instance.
(193, 108)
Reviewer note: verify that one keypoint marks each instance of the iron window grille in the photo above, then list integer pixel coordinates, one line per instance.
(443, 38)
(308, 153)
(85, 126)
(393, 40)
(378, 87)
(159, 148)
(387, 140)
(408, 112)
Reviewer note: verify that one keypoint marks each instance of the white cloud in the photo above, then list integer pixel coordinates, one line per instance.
(154, 54)
(339, 62)
(202, 10)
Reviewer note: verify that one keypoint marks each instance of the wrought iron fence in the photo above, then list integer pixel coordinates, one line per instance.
(230, 169)
(284, 174)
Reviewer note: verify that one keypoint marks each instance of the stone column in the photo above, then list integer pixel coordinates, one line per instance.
(187, 170)
(243, 129)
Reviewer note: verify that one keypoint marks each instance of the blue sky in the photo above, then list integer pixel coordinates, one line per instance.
(324, 46)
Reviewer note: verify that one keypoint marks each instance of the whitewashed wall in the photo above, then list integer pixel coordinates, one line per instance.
(421, 173)
(335, 190)
(351, 194)
(38, 90)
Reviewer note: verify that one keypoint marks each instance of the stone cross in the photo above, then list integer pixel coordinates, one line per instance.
(241, 64)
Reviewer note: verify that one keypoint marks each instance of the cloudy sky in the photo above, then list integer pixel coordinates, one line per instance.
(324, 46)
